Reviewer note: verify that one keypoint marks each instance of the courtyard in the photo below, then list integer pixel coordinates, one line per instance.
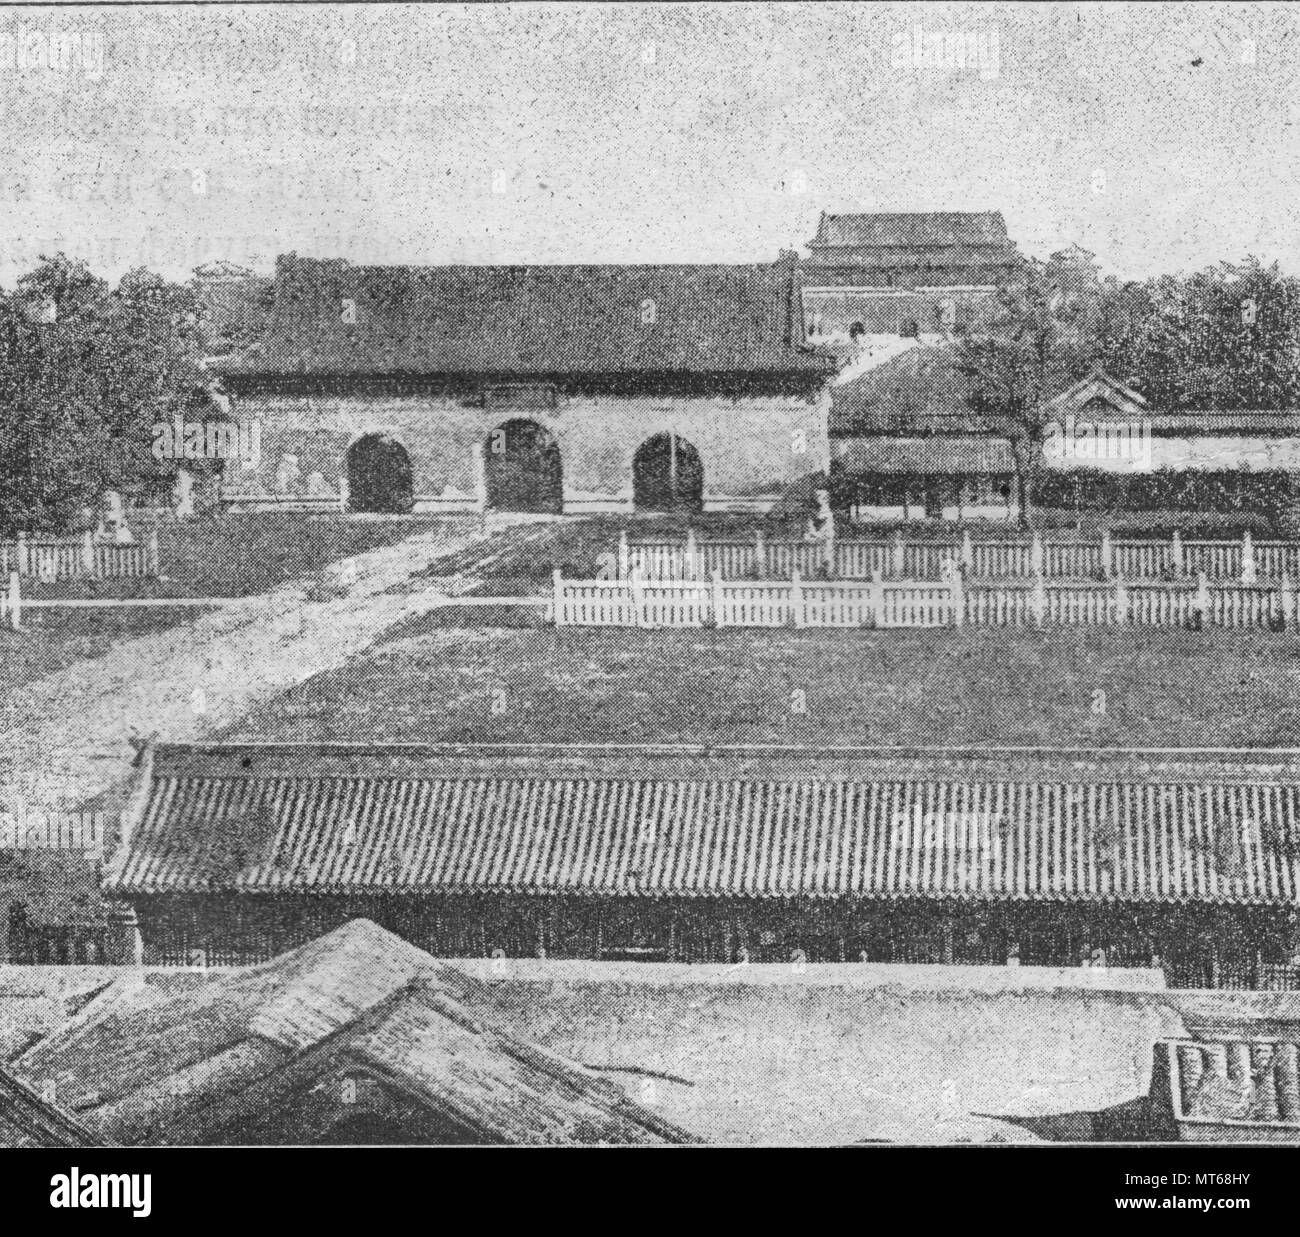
(442, 677)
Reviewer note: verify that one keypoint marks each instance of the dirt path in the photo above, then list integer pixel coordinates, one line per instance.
(68, 736)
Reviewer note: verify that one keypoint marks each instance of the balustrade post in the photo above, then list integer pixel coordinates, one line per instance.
(967, 552)
(797, 599)
(24, 559)
(1203, 597)
(1107, 554)
(692, 559)
(717, 598)
(760, 551)
(1039, 600)
(638, 597)
(1176, 553)
(15, 601)
(1121, 600)
(898, 565)
(557, 598)
(1248, 571)
(624, 555)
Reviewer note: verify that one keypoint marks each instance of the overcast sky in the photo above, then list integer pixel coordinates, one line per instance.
(1161, 137)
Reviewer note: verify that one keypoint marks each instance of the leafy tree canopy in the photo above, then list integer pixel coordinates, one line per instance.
(86, 371)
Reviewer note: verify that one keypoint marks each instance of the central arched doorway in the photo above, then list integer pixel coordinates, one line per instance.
(523, 469)
(379, 476)
(667, 475)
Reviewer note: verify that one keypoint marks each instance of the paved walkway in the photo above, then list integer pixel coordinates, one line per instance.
(69, 735)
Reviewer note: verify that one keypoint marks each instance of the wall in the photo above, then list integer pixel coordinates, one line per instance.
(60, 892)
(752, 447)
(1148, 452)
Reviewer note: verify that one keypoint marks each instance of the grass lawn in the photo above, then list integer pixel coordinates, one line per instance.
(241, 555)
(55, 639)
(230, 556)
(431, 681)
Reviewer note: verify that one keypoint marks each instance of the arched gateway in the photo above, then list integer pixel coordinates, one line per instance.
(667, 475)
(523, 469)
(379, 476)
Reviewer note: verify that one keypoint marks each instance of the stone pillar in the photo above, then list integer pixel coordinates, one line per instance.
(183, 494)
(479, 467)
(125, 943)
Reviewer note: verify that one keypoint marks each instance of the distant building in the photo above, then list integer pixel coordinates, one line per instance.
(875, 276)
(693, 855)
(905, 443)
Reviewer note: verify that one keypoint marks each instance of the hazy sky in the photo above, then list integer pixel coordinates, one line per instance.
(1163, 137)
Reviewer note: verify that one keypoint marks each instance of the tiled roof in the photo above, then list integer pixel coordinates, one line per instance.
(922, 228)
(1144, 828)
(27, 1120)
(1210, 421)
(516, 320)
(920, 389)
(214, 1062)
(931, 267)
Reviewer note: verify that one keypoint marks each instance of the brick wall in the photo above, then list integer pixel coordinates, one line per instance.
(752, 447)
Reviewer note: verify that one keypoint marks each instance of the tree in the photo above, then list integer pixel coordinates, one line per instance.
(85, 374)
(1227, 337)
(1036, 340)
